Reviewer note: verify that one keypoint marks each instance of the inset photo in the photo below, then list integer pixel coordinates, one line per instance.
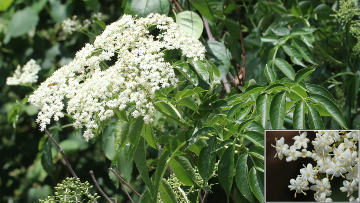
(312, 165)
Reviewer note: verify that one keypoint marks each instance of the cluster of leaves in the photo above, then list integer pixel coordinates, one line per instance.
(203, 143)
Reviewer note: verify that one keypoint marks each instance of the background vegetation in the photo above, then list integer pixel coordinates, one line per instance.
(302, 71)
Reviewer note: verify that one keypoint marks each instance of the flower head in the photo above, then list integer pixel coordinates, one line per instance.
(121, 70)
(25, 75)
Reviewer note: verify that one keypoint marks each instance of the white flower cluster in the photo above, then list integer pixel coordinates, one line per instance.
(122, 69)
(72, 24)
(335, 154)
(26, 75)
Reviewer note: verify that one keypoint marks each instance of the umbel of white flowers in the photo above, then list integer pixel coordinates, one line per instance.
(335, 154)
(25, 75)
(91, 92)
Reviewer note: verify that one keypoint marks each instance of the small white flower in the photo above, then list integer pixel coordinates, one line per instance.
(305, 153)
(321, 197)
(308, 173)
(322, 144)
(293, 154)
(301, 140)
(349, 187)
(322, 186)
(299, 185)
(281, 148)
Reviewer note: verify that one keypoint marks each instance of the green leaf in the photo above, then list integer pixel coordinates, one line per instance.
(299, 115)
(190, 103)
(22, 22)
(241, 179)
(92, 4)
(142, 8)
(270, 74)
(203, 7)
(123, 163)
(294, 54)
(256, 138)
(303, 73)
(140, 162)
(281, 31)
(4, 4)
(183, 170)
(168, 109)
(108, 142)
(303, 49)
(161, 167)
(317, 89)
(190, 23)
(226, 170)
(271, 39)
(149, 136)
(255, 186)
(277, 110)
(185, 70)
(299, 91)
(285, 68)
(258, 156)
(58, 11)
(331, 108)
(135, 129)
(221, 56)
(146, 197)
(315, 121)
(46, 158)
(73, 144)
(38, 5)
(207, 159)
(202, 70)
(166, 193)
(262, 108)
(203, 131)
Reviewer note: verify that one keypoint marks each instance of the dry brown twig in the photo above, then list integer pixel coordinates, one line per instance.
(124, 182)
(66, 163)
(98, 187)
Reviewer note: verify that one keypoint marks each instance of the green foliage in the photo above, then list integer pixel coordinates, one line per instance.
(190, 23)
(72, 190)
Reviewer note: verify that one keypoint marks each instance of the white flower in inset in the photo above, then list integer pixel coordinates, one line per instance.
(308, 173)
(299, 185)
(353, 173)
(293, 154)
(305, 153)
(349, 187)
(353, 199)
(353, 135)
(322, 186)
(336, 169)
(301, 140)
(321, 197)
(281, 148)
(322, 144)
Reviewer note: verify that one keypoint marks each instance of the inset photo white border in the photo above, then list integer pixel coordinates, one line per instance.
(299, 168)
